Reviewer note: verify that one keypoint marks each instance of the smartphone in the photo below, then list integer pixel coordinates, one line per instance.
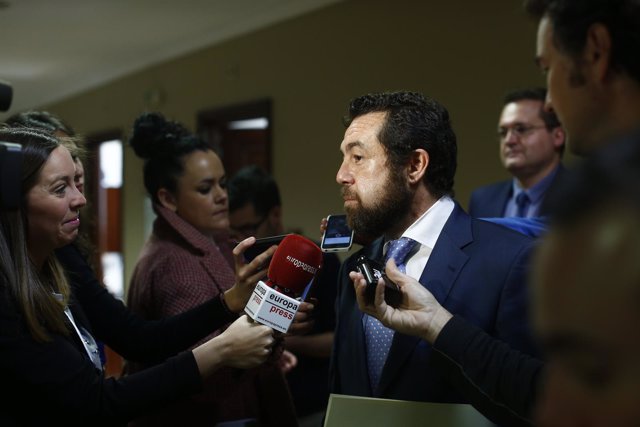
(372, 271)
(262, 245)
(337, 236)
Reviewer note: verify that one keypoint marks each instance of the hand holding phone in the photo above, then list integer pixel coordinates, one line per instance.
(337, 236)
(262, 245)
(372, 271)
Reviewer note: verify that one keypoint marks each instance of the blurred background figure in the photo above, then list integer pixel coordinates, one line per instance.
(587, 287)
(588, 52)
(255, 209)
(186, 261)
(531, 145)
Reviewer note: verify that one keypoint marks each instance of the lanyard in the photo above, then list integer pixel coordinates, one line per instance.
(89, 344)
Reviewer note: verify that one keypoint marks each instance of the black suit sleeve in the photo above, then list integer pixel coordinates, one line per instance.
(131, 336)
(499, 381)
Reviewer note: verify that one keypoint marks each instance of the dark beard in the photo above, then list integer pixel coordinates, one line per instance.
(391, 207)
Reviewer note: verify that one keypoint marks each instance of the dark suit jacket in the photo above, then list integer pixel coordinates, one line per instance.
(489, 201)
(309, 380)
(477, 270)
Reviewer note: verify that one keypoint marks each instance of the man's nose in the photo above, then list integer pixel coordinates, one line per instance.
(343, 176)
(548, 104)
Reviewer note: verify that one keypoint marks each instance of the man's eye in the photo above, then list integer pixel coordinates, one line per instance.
(357, 158)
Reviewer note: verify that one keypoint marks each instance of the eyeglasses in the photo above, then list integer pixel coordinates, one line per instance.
(518, 130)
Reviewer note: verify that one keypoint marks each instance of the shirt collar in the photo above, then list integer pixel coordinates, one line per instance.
(426, 229)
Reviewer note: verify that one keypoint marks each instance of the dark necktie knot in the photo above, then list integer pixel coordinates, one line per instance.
(522, 202)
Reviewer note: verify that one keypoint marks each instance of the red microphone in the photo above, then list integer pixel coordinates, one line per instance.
(293, 267)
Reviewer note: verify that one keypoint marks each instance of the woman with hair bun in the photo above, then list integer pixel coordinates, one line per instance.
(187, 260)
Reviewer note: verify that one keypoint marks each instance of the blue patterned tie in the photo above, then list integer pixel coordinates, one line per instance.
(522, 201)
(378, 338)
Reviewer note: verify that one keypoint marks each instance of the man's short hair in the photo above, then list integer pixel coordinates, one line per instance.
(414, 121)
(549, 117)
(570, 20)
(253, 185)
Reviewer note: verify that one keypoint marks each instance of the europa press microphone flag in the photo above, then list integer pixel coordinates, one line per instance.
(293, 267)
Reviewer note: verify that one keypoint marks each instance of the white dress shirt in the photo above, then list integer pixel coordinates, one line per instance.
(426, 230)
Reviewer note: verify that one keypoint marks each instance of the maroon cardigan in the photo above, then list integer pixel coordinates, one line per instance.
(180, 268)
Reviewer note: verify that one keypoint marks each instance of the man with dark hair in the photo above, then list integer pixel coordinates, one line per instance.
(255, 209)
(588, 51)
(587, 281)
(531, 145)
(587, 285)
(397, 174)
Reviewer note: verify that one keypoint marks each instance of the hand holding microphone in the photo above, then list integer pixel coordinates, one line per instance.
(244, 344)
(293, 267)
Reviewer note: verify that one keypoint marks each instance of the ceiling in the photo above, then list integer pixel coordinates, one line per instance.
(53, 49)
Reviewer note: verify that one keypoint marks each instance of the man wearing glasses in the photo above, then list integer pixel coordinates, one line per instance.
(532, 141)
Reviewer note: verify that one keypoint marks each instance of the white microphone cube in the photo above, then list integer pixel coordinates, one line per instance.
(271, 308)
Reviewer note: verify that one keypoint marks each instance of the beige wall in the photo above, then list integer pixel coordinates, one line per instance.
(464, 53)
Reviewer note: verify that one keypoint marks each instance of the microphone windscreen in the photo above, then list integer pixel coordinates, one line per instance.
(295, 263)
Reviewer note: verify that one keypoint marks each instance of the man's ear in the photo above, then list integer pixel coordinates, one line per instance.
(418, 163)
(167, 199)
(559, 137)
(597, 51)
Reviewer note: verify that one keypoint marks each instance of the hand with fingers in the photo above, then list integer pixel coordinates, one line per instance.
(418, 314)
(244, 344)
(303, 321)
(247, 274)
(287, 361)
